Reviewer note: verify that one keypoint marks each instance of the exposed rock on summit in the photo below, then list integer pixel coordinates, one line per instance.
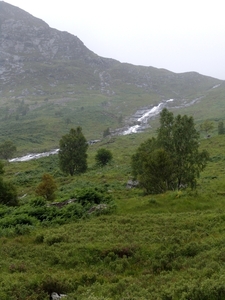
(35, 59)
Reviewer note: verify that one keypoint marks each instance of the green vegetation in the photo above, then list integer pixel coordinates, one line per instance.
(221, 129)
(47, 187)
(161, 246)
(103, 157)
(7, 150)
(72, 152)
(8, 192)
(207, 126)
(100, 238)
(171, 160)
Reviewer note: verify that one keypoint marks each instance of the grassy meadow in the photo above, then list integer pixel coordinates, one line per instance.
(167, 246)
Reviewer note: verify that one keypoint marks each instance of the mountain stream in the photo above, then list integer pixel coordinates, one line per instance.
(138, 123)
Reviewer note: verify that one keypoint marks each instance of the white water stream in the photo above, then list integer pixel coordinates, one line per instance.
(144, 116)
(147, 114)
(31, 156)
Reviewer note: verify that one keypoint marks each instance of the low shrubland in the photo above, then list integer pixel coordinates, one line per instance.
(164, 246)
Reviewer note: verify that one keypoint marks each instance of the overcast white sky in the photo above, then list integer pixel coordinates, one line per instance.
(177, 35)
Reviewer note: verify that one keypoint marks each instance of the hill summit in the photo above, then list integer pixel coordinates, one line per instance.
(37, 60)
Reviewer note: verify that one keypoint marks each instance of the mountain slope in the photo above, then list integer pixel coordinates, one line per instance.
(44, 57)
(49, 81)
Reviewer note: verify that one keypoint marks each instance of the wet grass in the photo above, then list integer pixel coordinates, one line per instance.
(167, 246)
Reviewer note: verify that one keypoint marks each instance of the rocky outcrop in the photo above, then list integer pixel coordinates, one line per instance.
(56, 296)
(35, 58)
(132, 184)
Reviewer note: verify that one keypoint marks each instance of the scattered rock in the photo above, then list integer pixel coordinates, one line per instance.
(132, 184)
(55, 296)
(98, 207)
(62, 204)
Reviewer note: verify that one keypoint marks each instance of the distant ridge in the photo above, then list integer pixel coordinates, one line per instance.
(36, 59)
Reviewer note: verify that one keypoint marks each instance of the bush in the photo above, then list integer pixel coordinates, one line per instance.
(47, 187)
(92, 196)
(103, 157)
(8, 193)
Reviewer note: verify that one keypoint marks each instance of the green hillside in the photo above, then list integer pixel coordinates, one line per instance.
(50, 81)
(167, 246)
(130, 246)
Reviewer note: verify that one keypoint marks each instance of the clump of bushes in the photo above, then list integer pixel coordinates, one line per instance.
(103, 157)
(39, 212)
(92, 196)
(8, 192)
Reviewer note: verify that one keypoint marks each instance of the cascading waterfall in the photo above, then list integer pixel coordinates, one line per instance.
(142, 123)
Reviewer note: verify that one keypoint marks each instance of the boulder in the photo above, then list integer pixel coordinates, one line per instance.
(132, 184)
(56, 296)
(98, 207)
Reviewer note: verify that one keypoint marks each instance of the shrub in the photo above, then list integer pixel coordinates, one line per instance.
(92, 196)
(103, 157)
(7, 149)
(55, 239)
(8, 193)
(47, 187)
(50, 284)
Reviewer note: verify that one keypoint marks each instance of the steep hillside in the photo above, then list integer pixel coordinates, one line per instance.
(50, 81)
(45, 58)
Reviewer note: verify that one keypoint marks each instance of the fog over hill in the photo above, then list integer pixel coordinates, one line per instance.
(50, 82)
(36, 59)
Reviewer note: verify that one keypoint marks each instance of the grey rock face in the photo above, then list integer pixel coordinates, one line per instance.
(35, 59)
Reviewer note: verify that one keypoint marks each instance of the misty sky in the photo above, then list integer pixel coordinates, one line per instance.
(177, 35)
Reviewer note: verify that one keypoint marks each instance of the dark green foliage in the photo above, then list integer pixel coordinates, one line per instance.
(106, 132)
(37, 212)
(2, 171)
(221, 129)
(39, 202)
(206, 126)
(172, 160)
(181, 140)
(103, 157)
(47, 187)
(158, 173)
(51, 284)
(72, 153)
(8, 193)
(91, 196)
(21, 219)
(7, 150)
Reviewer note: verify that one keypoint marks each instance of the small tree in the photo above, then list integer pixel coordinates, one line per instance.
(106, 132)
(8, 193)
(2, 171)
(103, 157)
(72, 152)
(206, 126)
(141, 156)
(172, 159)
(47, 187)
(7, 150)
(221, 129)
(157, 172)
